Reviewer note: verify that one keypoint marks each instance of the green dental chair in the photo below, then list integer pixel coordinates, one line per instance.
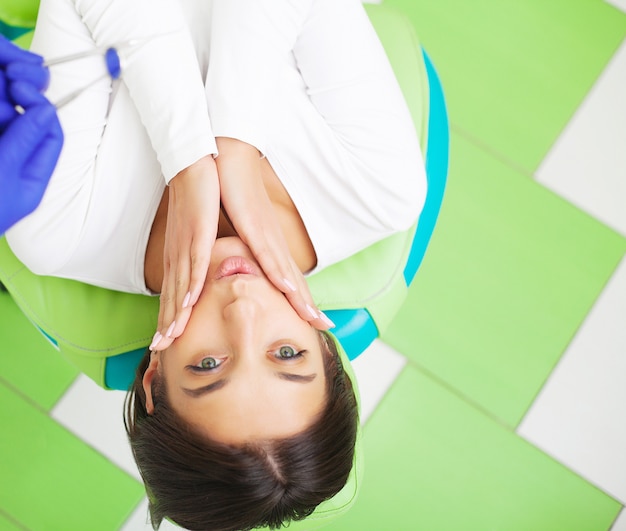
(361, 294)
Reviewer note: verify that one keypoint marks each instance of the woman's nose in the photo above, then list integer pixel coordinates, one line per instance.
(242, 311)
(243, 319)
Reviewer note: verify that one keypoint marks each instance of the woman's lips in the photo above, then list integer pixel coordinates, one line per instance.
(236, 265)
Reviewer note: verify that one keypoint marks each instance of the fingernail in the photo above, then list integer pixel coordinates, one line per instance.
(186, 300)
(170, 330)
(155, 340)
(312, 312)
(325, 318)
(289, 284)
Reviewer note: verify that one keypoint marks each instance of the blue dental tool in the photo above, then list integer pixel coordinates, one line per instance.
(111, 60)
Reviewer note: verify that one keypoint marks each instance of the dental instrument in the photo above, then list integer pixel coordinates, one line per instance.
(112, 61)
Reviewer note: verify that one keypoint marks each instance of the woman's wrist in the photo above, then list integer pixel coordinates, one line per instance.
(238, 162)
(233, 147)
(202, 168)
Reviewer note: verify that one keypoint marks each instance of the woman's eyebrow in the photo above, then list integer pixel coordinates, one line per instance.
(300, 378)
(201, 391)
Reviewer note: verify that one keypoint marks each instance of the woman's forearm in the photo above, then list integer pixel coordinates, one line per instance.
(251, 40)
(161, 72)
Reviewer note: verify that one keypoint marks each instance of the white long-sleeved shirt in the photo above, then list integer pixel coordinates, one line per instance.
(305, 81)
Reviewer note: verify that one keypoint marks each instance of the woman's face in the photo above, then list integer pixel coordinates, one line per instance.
(247, 366)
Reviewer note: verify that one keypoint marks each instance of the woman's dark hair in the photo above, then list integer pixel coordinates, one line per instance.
(202, 484)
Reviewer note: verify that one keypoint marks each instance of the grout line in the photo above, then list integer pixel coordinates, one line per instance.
(65, 391)
(135, 508)
(385, 394)
(32, 402)
(456, 392)
(8, 517)
(576, 471)
(476, 141)
(472, 403)
(575, 333)
(24, 396)
(621, 513)
(617, 4)
(459, 394)
(48, 414)
(513, 430)
(67, 388)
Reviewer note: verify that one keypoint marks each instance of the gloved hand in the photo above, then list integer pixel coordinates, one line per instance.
(9, 53)
(30, 139)
(17, 64)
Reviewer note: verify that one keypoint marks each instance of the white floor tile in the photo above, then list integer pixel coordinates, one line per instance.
(620, 523)
(376, 369)
(579, 416)
(95, 416)
(587, 165)
(619, 4)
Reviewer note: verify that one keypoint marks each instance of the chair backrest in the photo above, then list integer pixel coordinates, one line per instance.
(361, 294)
(17, 17)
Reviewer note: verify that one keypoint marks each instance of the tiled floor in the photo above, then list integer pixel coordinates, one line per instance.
(506, 407)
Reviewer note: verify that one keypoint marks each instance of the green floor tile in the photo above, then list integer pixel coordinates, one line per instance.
(7, 524)
(53, 481)
(434, 463)
(28, 362)
(510, 275)
(515, 72)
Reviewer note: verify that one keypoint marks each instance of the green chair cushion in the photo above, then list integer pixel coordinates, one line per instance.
(19, 13)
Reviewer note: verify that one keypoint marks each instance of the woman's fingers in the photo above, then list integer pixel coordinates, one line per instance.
(180, 279)
(10, 52)
(267, 243)
(319, 319)
(167, 306)
(32, 73)
(171, 321)
(199, 267)
(302, 302)
(282, 271)
(192, 218)
(254, 217)
(175, 284)
(190, 278)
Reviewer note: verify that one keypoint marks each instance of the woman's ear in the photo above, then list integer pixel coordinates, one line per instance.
(147, 381)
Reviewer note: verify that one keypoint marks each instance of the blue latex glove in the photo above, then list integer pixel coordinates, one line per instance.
(30, 143)
(28, 67)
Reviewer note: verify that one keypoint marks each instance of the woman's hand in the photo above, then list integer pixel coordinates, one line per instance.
(254, 219)
(192, 220)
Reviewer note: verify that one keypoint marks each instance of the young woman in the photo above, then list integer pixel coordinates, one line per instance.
(287, 147)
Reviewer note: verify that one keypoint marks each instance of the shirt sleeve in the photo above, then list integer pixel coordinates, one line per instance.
(309, 84)
(250, 42)
(160, 69)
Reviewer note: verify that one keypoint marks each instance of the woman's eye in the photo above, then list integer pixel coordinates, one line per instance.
(209, 363)
(286, 353)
